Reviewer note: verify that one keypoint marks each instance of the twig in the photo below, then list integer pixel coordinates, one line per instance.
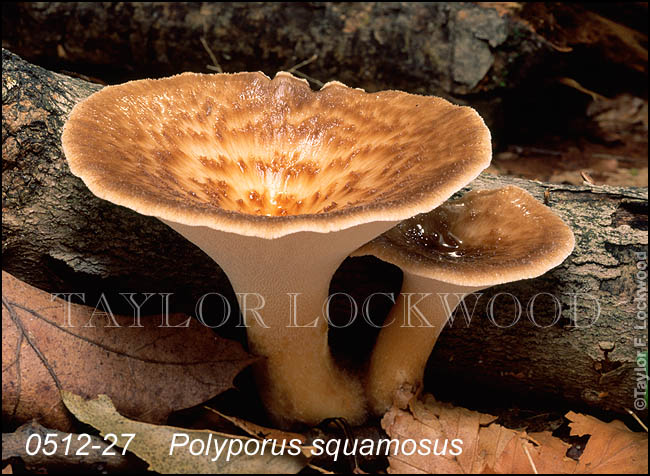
(303, 63)
(294, 70)
(643, 425)
(530, 458)
(309, 78)
(216, 66)
(586, 177)
(519, 149)
(572, 83)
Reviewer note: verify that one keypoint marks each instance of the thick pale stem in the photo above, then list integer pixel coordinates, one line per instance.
(282, 285)
(404, 344)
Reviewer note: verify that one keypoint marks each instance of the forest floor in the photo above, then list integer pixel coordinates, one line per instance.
(613, 151)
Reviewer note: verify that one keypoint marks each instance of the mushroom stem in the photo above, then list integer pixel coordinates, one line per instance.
(410, 332)
(298, 381)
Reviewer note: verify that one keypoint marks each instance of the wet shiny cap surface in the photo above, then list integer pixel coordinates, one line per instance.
(244, 153)
(485, 238)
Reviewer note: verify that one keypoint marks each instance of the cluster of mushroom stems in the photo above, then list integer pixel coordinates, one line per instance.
(279, 184)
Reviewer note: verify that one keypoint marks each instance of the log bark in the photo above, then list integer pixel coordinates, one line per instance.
(435, 48)
(61, 238)
(423, 45)
(56, 233)
(502, 57)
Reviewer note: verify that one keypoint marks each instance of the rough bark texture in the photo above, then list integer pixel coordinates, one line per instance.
(441, 47)
(60, 237)
(584, 355)
(504, 57)
(56, 233)
(424, 45)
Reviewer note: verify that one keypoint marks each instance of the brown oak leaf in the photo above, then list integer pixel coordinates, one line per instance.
(147, 371)
(491, 448)
(612, 447)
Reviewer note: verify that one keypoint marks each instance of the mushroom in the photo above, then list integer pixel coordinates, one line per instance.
(277, 184)
(487, 237)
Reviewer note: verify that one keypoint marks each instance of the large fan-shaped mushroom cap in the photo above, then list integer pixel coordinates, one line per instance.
(260, 157)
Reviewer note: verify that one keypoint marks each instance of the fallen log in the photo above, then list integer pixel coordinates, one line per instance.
(406, 46)
(579, 345)
(433, 48)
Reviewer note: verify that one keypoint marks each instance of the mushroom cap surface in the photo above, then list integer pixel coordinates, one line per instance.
(260, 157)
(485, 238)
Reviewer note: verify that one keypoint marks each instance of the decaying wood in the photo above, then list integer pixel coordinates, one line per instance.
(435, 48)
(51, 221)
(409, 46)
(61, 238)
(587, 354)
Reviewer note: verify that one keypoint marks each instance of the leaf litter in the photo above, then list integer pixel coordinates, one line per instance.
(492, 448)
(214, 453)
(148, 371)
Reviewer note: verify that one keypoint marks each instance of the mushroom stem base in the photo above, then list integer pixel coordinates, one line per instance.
(403, 346)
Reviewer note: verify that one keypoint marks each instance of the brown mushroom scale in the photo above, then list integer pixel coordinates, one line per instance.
(277, 184)
(481, 236)
(215, 145)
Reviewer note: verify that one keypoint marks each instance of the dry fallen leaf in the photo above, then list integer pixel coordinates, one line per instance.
(148, 371)
(612, 447)
(152, 444)
(491, 448)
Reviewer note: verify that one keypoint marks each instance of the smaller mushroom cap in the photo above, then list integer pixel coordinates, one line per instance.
(487, 237)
